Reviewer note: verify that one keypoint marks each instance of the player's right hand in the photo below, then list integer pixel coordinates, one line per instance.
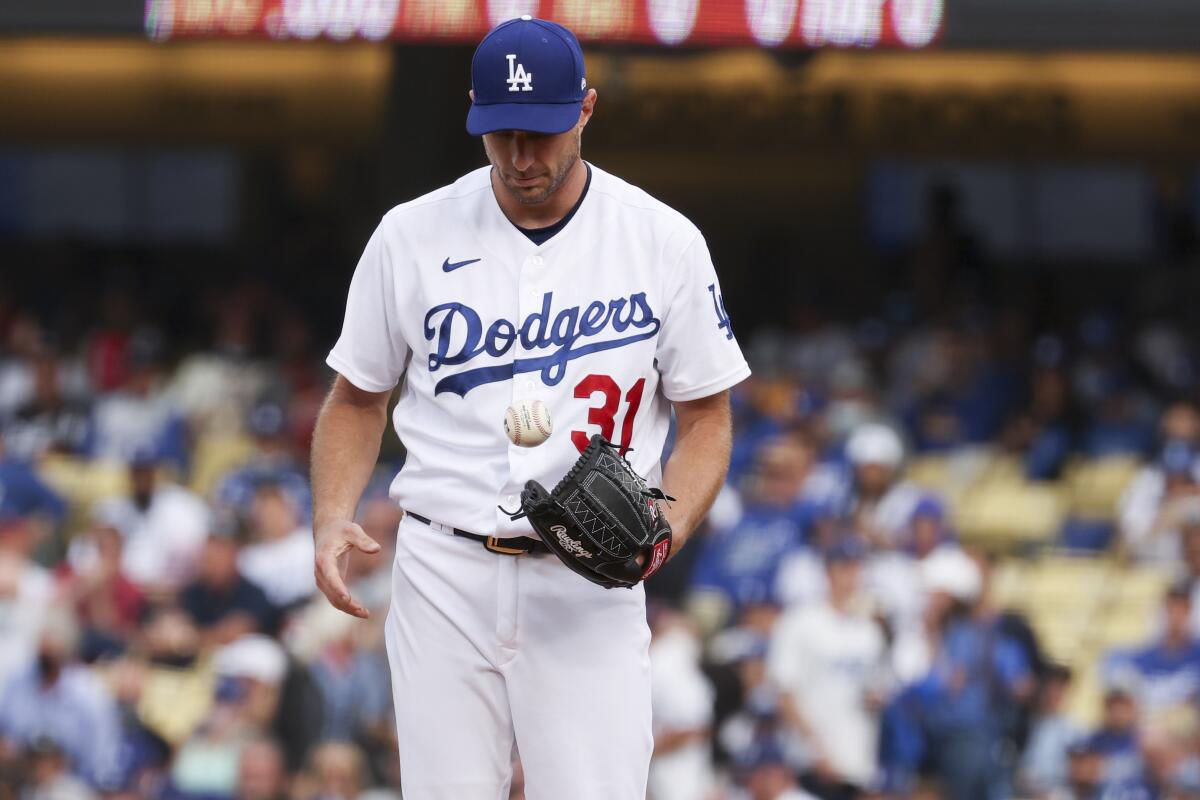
(333, 541)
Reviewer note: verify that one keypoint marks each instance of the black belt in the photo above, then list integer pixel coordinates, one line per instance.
(517, 546)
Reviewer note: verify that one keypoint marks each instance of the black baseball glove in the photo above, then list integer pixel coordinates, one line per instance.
(600, 518)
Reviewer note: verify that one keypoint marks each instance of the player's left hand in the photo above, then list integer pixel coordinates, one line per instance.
(333, 541)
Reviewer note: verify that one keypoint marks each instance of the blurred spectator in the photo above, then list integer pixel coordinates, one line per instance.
(801, 574)
(1085, 768)
(1164, 677)
(682, 700)
(23, 493)
(1045, 762)
(828, 660)
(57, 699)
(1162, 499)
(370, 576)
(107, 349)
(49, 776)
(741, 563)
(756, 717)
(262, 775)
(140, 418)
(336, 771)
(1189, 570)
(142, 756)
(249, 672)
(272, 462)
(1117, 743)
(893, 577)
(965, 709)
(49, 421)
(220, 600)
(881, 502)
(26, 593)
(107, 603)
(354, 682)
(1043, 433)
(279, 555)
(164, 526)
(217, 387)
(770, 409)
(766, 775)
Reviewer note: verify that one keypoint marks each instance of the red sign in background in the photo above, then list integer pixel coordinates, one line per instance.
(671, 23)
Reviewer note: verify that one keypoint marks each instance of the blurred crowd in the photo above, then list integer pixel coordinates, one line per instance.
(828, 634)
(841, 638)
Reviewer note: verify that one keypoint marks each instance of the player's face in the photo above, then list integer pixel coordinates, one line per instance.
(532, 166)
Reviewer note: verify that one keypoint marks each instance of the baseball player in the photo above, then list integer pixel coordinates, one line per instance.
(538, 277)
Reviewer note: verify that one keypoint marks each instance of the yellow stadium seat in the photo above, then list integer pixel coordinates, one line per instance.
(175, 701)
(929, 472)
(1085, 700)
(84, 482)
(216, 455)
(1009, 578)
(1003, 468)
(1003, 514)
(1096, 486)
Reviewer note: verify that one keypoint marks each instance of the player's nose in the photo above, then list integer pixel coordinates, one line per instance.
(522, 152)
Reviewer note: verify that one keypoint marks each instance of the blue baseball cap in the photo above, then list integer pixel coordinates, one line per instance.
(528, 75)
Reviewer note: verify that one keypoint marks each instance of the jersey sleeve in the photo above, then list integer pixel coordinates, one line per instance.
(371, 352)
(697, 354)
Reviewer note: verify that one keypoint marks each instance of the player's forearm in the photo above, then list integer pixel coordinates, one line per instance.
(698, 465)
(345, 447)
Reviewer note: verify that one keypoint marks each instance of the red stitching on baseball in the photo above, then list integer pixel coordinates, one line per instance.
(537, 422)
(515, 427)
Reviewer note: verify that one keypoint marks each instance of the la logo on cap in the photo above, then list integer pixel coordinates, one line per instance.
(518, 79)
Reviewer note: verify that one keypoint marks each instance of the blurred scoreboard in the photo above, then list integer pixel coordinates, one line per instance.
(762, 23)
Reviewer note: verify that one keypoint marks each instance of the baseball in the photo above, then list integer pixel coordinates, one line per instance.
(527, 423)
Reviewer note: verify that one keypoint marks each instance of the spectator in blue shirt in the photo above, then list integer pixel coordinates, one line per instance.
(1043, 433)
(960, 718)
(741, 562)
(273, 462)
(1117, 742)
(23, 493)
(1166, 675)
(1045, 762)
(59, 700)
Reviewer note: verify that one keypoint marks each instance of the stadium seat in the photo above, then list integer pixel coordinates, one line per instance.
(1096, 486)
(1003, 515)
(952, 474)
(1085, 701)
(216, 455)
(175, 701)
(1061, 597)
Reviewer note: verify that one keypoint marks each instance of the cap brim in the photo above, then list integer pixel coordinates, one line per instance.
(549, 118)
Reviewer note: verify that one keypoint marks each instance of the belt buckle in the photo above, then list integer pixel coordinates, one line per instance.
(494, 545)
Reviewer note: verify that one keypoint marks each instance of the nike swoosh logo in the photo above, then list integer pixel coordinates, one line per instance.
(450, 267)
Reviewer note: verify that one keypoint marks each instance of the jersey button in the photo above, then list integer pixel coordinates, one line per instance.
(538, 261)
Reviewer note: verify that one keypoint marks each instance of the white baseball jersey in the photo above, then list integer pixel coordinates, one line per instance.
(614, 316)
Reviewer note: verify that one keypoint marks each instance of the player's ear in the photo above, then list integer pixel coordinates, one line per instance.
(589, 105)
(471, 94)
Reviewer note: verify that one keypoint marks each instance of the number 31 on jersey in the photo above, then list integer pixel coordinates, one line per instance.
(604, 416)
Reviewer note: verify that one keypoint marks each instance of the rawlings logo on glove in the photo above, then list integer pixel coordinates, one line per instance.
(601, 518)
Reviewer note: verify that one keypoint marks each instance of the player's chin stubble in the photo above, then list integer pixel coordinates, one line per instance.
(532, 197)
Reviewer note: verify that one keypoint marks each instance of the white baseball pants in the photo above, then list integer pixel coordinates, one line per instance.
(489, 652)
